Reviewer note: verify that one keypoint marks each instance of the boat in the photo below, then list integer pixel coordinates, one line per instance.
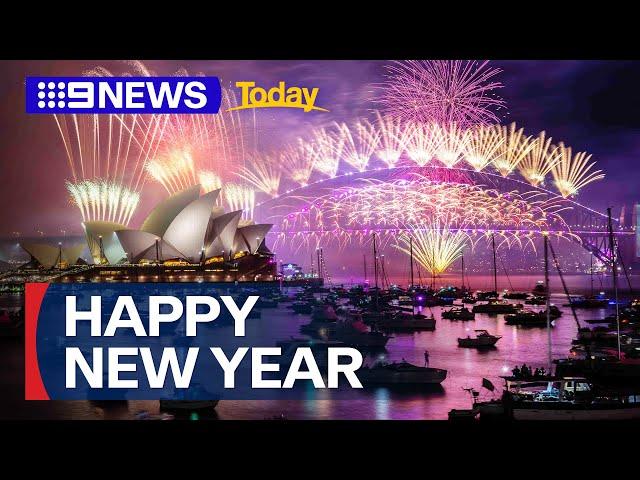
(587, 302)
(357, 339)
(406, 321)
(536, 300)
(356, 334)
(539, 289)
(319, 349)
(469, 300)
(462, 415)
(527, 318)
(492, 295)
(566, 398)
(495, 307)
(461, 313)
(482, 339)
(515, 295)
(401, 373)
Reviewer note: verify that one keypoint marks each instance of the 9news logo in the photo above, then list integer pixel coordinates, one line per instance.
(123, 95)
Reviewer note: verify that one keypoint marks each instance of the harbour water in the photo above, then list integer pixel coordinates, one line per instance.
(466, 367)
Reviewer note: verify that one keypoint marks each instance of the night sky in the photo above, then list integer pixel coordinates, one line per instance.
(590, 105)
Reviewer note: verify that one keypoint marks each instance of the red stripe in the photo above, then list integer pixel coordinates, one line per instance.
(33, 386)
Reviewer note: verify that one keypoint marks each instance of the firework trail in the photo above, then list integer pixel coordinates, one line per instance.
(573, 172)
(442, 91)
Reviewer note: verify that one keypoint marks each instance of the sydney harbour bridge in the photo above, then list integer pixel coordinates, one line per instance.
(324, 211)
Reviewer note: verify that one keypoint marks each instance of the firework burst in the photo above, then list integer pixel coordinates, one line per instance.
(326, 148)
(209, 181)
(392, 138)
(175, 171)
(102, 200)
(482, 147)
(442, 91)
(451, 142)
(360, 142)
(573, 172)
(434, 245)
(421, 143)
(240, 197)
(539, 161)
(264, 174)
(297, 161)
(514, 148)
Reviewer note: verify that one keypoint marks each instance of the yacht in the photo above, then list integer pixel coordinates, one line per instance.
(462, 313)
(527, 318)
(407, 321)
(402, 373)
(482, 339)
(566, 398)
(495, 307)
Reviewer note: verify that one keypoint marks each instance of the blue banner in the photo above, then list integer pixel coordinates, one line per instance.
(174, 341)
(123, 95)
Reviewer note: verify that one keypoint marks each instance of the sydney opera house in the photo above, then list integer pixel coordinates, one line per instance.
(187, 237)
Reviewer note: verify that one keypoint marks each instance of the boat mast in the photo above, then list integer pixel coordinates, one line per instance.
(495, 268)
(548, 300)
(411, 258)
(462, 257)
(364, 261)
(375, 267)
(615, 277)
(591, 272)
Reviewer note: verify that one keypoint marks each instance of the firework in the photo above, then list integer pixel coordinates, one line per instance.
(442, 91)
(175, 171)
(218, 143)
(421, 144)
(103, 200)
(539, 161)
(326, 149)
(390, 205)
(240, 197)
(392, 137)
(434, 246)
(451, 143)
(573, 172)
(264, 174)
(514, 148)
(360, 142)
(209, 181)
(482, 147)
(297, 161)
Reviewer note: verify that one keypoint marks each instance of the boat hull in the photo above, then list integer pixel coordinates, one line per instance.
(629, 413)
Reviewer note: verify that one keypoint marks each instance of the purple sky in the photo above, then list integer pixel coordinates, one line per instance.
(592, 106)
